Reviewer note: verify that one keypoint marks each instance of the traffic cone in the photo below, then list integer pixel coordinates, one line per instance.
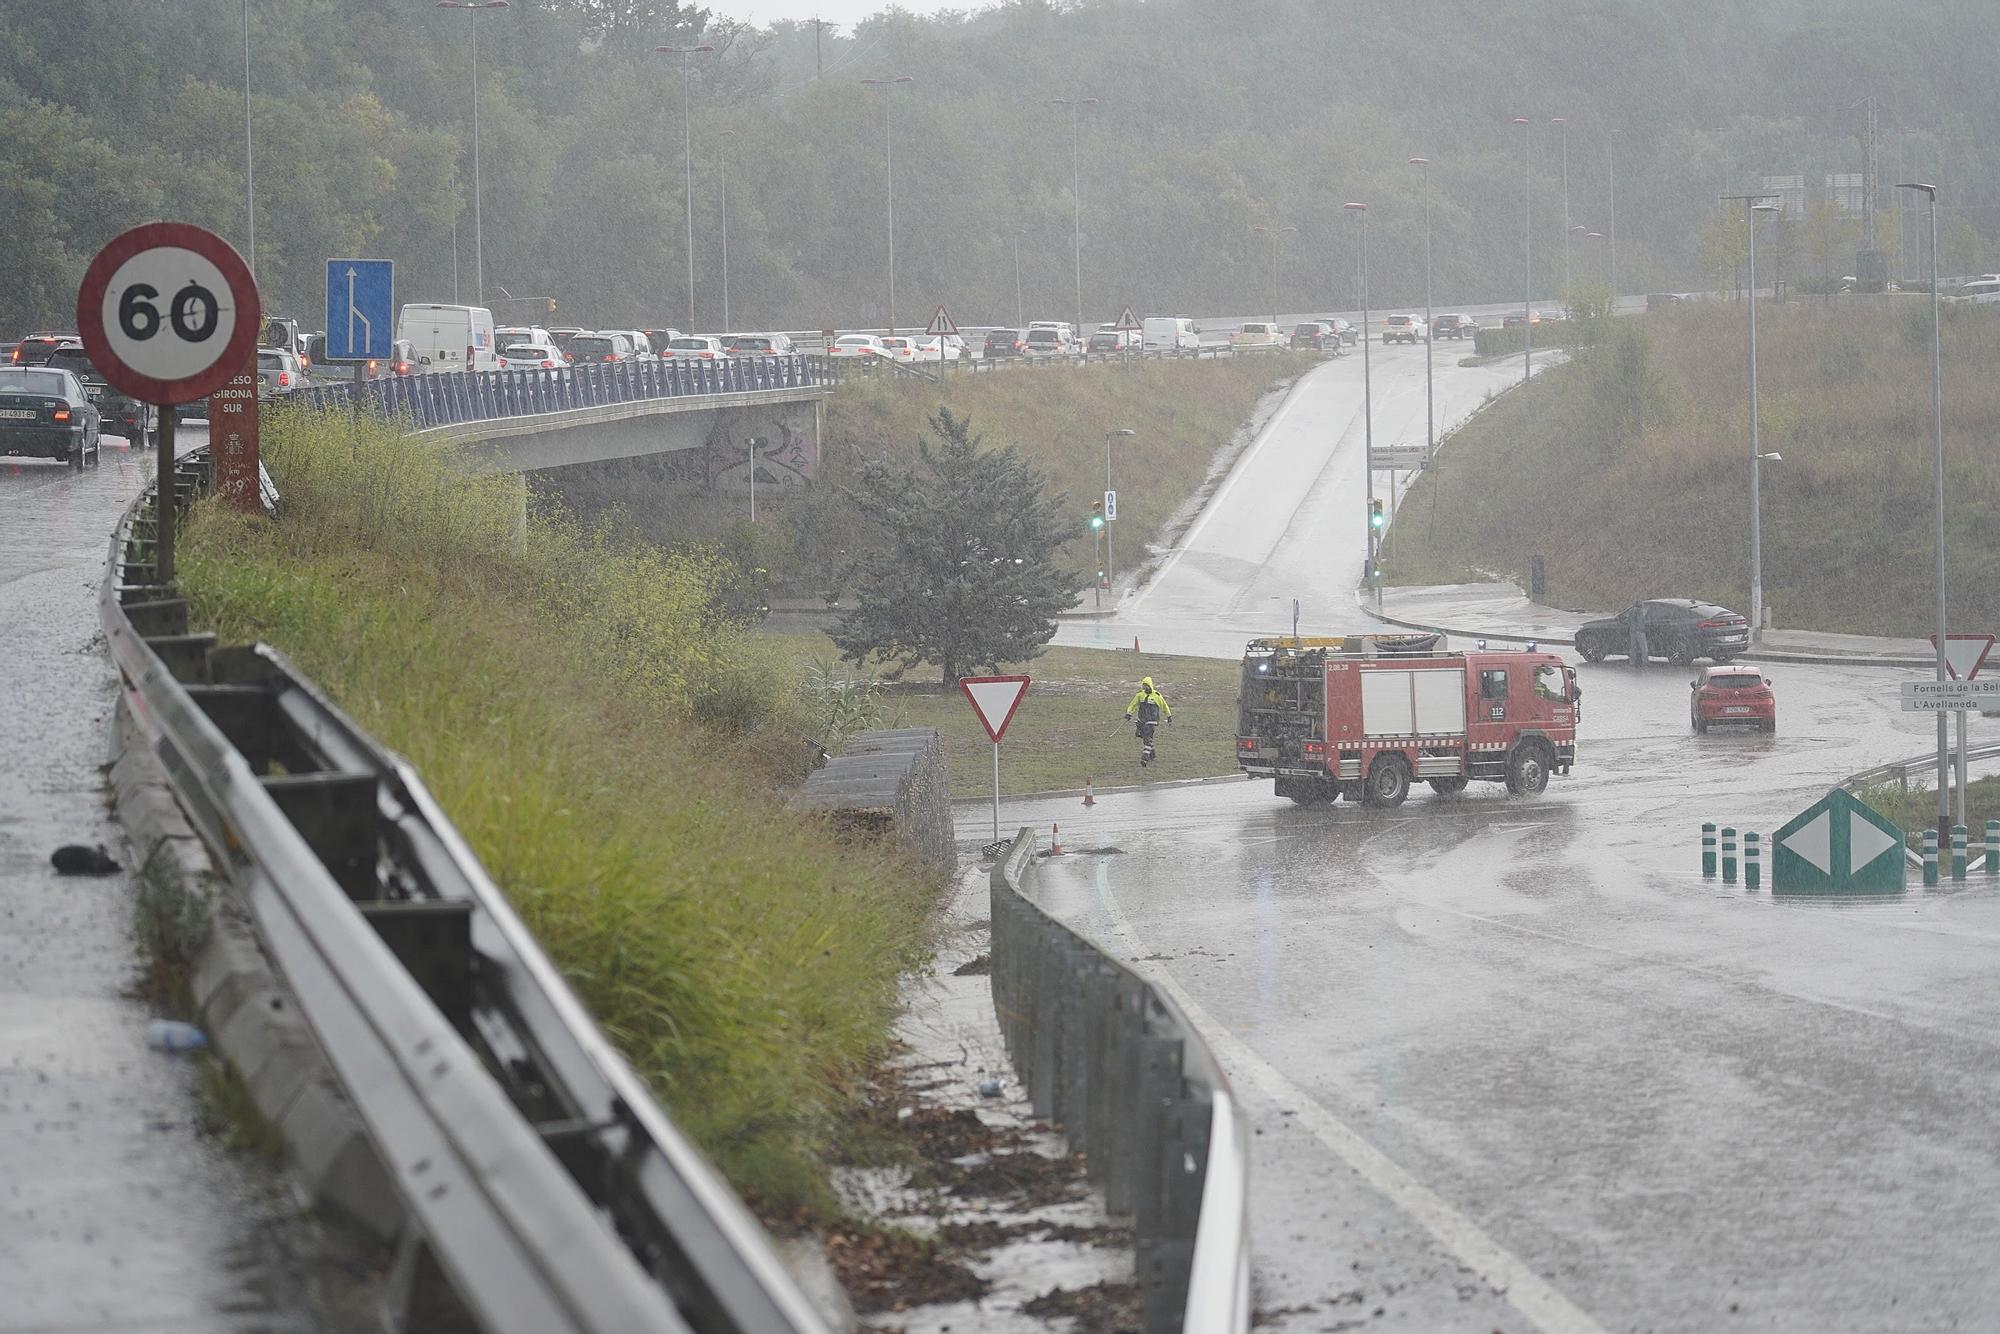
(1088, 799)
(1135, 643)
(1055, 840)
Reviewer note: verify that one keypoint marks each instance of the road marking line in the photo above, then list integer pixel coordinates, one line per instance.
(1509, 1275)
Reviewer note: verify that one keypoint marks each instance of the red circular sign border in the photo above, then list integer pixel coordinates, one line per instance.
(236, 352)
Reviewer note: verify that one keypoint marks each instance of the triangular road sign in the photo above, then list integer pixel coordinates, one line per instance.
(1127, 320)
(1837, 843)
(994, 699)
(942, 323)
(1964, 655)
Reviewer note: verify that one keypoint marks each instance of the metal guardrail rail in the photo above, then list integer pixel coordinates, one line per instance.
(549, 1187)
(455, 397)
(1899, 771)
(1125, 1074)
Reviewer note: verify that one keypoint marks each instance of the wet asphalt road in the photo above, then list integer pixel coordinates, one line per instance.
(1512, 1063)
(116, 1211)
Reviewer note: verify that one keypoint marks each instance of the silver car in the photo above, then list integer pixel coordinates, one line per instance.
(279, 372)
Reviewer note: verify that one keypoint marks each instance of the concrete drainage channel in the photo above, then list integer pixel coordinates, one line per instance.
(434, 1079)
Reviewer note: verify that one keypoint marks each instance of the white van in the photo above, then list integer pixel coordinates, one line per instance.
(449, 338)
(1170, 334)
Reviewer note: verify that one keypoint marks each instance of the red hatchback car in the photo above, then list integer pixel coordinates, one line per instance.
(1725, 695)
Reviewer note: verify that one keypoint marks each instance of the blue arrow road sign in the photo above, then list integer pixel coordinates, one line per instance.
(360, 311)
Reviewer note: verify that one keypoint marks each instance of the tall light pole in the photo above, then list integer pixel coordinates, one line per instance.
(1076, 106)
(249, 164)
(1110, 565)
(1563, 121)
(1430, 412)
(1528, 245)
(1937, 485)
(478, 237)
(1360, 214)
(1611, 209)
(1020, 310)
(1602, 271)
(889, 161)
(1752, 206)
(687, 151)
(722, 159)
(1274, 232)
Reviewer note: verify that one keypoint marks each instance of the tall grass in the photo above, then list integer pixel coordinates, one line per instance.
(1847, 513)
(548, 686)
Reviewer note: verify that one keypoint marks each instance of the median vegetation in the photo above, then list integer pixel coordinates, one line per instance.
(617, 754)
(1626, 469)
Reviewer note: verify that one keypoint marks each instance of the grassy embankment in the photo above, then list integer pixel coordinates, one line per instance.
(611, 752)
(1626, 469)
(1916, 810)
(1072, 724)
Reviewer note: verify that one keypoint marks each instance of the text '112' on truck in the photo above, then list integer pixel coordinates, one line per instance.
(1365, 716)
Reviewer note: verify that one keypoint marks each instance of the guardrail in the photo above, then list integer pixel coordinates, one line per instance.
(1899, 771)
(452, 397)
(838, 370)
(536, 1169)
(1117, 1065)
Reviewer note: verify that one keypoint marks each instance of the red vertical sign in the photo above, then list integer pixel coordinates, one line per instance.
(232, 438)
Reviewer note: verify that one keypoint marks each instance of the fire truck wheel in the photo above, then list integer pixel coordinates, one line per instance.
(1528, 769)
(1388, 782)
(1448, 787)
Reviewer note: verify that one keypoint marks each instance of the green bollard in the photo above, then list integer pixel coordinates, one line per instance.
(1958, 852)
(1993, 847)
(1930, 857)
(1753, 869)
(1708, 847)
(1728, 854)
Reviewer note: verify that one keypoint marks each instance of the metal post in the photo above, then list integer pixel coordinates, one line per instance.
(478, 235)
(1753, 874)
(1076, 206)
(1527, 247)
(1360, 212)
(1430, 408)
(1110, 566)
(1611, 229)
(1564, 122)
(889, 173)
(1958, 852)
(996, 792)
(1728, 854)
(249, 155)
(164, 498)
(687, 168)
(1708, 850)
(1020, 309)
(722, 159)
(1937, 484)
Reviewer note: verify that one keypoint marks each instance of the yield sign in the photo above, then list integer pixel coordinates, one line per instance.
(994, 699)
(1964, 655)
(1127, 320)
(1837, 843)
(942, 323)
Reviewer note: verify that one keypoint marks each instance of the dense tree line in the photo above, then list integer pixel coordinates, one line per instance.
(1209, 120)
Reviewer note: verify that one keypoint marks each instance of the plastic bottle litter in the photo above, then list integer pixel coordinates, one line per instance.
(990, 1089)
(173, 1035)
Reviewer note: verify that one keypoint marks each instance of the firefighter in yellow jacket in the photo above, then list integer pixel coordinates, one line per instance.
(1149, 705)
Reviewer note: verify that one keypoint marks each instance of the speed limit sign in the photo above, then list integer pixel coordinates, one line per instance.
(168, 312)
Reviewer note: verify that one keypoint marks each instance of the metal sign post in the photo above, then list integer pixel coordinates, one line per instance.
(1964, 655)
(942, 324)
(993, 700)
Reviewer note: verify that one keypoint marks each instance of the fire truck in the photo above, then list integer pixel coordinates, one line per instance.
(1365, 716)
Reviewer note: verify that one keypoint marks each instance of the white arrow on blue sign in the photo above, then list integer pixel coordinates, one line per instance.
(360, 308)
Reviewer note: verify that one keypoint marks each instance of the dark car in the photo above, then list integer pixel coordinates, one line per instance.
(1345, 328)
(1454, 326)
(1720, 696)
(37, 348)
(1314, 335)
(117, 411)
(1677, 629)
(46, 414)
(1003, 343)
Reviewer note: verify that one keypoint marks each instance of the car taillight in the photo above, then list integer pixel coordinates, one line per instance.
(609, 356)
(284, 379)
(1247, 743)
(1716, 625)
(468, 354)
(1315, 747)
(373, 366)
(708, 356)
(62, 414)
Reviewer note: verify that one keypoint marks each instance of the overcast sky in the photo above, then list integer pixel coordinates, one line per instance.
(843, 12)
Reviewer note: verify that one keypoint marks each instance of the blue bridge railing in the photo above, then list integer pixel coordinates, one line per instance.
(450, 398)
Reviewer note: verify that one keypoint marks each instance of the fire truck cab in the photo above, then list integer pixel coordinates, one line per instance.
(1364, 716)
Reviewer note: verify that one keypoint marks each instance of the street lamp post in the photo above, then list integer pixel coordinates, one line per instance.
(1528, 247)
(1937, 485)
(687, 153)
(478, 238)
(889, 169)
(1076, 106)
(1020, 310)
(1430, 410)
(1110, 564)
(722, 160)
(1360, 213)
(1274, 233)
(1611, 210)
(249, 165)
(1751, 208)
(1563, 121)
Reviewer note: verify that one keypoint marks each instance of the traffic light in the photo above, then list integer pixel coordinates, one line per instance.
(1096, 515)
(1376, 518)
(552, 305)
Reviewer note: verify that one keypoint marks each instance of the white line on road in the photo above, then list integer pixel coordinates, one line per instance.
(1504, 1271)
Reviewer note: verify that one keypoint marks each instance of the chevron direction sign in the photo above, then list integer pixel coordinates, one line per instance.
(1837, 843)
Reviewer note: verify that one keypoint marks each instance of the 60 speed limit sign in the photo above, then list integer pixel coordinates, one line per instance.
(168, 312)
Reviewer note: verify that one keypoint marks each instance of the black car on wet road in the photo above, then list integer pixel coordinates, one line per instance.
(46, 413)
(118, 412)
(1677, 629)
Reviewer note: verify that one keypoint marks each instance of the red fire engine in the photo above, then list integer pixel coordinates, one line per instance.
(1364, 716)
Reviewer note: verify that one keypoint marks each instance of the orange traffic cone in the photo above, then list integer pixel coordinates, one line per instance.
(1088, 799)
(1055, 840)
(1135, 643)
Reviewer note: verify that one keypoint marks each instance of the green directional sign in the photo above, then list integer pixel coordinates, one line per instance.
(1837, 843)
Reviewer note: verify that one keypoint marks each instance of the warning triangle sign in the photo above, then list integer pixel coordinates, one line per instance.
(942, 323)
(1964, 655)
(1126, 319)
(994, 699)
